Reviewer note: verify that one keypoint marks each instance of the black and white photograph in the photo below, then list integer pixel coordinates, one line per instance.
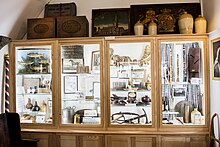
(70, 65)
(95, 61)
(179, 92)
(216, 58)
(70, 84)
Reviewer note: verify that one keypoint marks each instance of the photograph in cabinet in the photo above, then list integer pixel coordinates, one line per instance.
(183, 99)
(80, 102)
(130, 83)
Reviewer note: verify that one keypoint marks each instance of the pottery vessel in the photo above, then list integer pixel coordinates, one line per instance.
(138, 28)
(152, 28)
(185, 23)
(200, 25)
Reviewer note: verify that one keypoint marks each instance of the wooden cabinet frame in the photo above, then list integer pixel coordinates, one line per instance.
(105, 126)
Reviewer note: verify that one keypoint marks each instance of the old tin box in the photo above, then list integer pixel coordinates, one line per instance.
(72, 26)
(64, 9)
(39, 28)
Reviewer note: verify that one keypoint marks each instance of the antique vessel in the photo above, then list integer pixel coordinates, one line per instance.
(200, 25)
(185, 23)
(152, 28)
(138, 28)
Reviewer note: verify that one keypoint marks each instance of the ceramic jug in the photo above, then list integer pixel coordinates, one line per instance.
(138, 28)
(185, 23)
(200, 25)
(152, 28)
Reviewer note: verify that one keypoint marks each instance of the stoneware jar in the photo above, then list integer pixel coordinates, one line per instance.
(152, 28)
(185, 23)
(200, 25)
(138, 28)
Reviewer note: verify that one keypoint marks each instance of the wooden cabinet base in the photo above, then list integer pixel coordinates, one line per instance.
(119, 140)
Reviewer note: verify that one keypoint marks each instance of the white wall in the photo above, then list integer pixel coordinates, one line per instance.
(214, 84)
(211, 12)
(13, 17)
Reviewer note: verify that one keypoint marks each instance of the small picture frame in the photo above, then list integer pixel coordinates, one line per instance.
(95, 63)
(70, 65)
(179, 92)
(70, 84)
(215, 58)
(137, 74)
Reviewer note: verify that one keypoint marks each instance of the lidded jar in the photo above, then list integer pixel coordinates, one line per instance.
(185, 23)
(200, 25)
(152, 28)
(138, 28)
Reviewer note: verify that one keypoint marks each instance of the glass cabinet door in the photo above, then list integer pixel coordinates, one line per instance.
(130, 82)
(182, 76)
(80, 83)
(33, 84)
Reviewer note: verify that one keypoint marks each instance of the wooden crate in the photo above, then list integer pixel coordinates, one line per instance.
(72, 26)
(56, 10)
(39, 28)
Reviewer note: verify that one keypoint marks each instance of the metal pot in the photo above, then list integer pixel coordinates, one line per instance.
(67, 114)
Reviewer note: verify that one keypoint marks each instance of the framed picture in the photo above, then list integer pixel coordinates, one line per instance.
(95, 63)
(216, 59)
(179, 92)
(110, 22)
(70, 65)
(137, 74)
(164, 14)
(70, 84)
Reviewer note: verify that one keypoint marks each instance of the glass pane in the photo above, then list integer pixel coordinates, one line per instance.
(182, 83)
(81, 84)
(130, 83)
(33, 84)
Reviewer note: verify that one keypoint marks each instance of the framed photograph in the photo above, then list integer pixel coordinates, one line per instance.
(70, 84)
(95, 63)
(110, 22)
(70, 65)
(137, 74)
(166, 15)
(216, 59)
(179, 92)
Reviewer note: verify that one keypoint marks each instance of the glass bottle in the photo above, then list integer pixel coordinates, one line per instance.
(196, 116)
(36, 107)
(29, 105)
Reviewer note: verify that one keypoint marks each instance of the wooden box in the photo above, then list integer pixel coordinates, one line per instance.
(72, 26)
(55, 10)
(39, 28)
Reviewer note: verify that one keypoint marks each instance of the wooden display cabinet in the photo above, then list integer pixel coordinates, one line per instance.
(122, 91)
(131, 83)
(184, 83)
(32, 72)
